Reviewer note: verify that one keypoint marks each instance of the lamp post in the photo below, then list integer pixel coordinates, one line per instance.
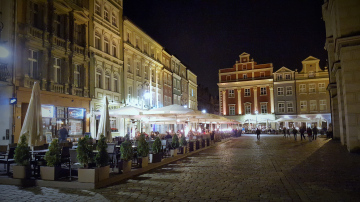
(256, 113)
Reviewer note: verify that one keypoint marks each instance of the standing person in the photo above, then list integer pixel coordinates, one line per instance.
(288, 132)
(284, 130)
(330, 131)
(302, 131)
(309, 133)
(315, 131)
(295, 133)
(258, 133)
(63, 133)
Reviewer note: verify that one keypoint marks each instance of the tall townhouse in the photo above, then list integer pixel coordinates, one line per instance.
(143, 68)
(167, 78)
(285, 97)
(52, 48)
(342, 43)
(175, 69)
(106, 58)
(7, 61)
(313, 100)
(246, 92)
(193, 101)
(184, 100)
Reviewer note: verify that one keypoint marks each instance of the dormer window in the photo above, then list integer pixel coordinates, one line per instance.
(279, 77)
(287, 76)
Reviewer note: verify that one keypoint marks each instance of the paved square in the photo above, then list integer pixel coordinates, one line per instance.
(243, 169)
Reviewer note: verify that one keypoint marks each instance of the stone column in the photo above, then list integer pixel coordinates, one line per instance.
(239, 100)
(342, 128)
(271, 87)
(255, 99)
(335, 118)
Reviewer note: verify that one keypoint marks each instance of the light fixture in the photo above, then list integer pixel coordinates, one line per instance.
(185, 106)
(147, 95)
(203, 111)
(3, 52)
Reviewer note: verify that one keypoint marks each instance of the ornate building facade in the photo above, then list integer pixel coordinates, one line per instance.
(342, 43)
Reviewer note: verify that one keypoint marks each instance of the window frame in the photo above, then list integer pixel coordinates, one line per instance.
(263, 90)
(245, 76)
(302, 88)
(324, 104)
(231, 109)
(303, 105)
(312, 104)
(98, 78)
(287, 91)
(280, 92)
(263, 108)
(231, 93)
(57, 70)
(97, 5)
(77, 75)
(262, 74)
(247, 94)
(289, 107)
(106, 14)
(33, 72)
(247, 108)
(312, 88)
(281, 107)
(321, 87)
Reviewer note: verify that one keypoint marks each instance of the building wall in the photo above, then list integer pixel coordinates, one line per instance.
(342, 43)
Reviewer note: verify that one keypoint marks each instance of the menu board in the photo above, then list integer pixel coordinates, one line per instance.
(76, 113)
(75, 127)
(47, 111)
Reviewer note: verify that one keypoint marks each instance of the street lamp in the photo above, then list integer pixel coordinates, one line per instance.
(256, 113)
(203, 111)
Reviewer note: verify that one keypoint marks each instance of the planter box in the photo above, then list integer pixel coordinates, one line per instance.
(126, 166)
(208, 142)
(104, 173)
(173, 152)
(182, 150)
(191, 146)
(197, 145)
(202, 143)
(156, 158)
(50, 173)
(88, 175)
(143, 162)
(21, 172)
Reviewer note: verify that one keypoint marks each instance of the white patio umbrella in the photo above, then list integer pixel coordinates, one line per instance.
(104, 125)
(33, 119)
(171, 109)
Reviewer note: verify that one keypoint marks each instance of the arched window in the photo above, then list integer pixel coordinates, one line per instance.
(106, 45)
(107, 81)
(98, 78)
(114, 49)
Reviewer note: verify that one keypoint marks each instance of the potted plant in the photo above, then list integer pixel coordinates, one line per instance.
(126, 155)
(143, 151)
(22, 156)
(174, 145)
(156, 155)
(183, 145)
(53, 162)
(85, 157)
(102, 158)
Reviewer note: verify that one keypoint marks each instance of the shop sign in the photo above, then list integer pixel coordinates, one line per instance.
(76, 113)
(47, 111)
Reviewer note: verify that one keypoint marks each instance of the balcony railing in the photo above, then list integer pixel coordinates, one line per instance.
(4, 73)
(60, 42)
(78, 49)
(77, 91)
(36, 32)
(58, 88)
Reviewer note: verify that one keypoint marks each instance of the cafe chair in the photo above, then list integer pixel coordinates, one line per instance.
(9, 159)
(74, 164)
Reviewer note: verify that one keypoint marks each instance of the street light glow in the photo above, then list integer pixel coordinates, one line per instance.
(256, 112)
(185, 106)
(3, 52)
(147, 95)
(203, 111)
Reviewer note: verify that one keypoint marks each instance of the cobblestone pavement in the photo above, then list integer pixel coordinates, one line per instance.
(243, 169)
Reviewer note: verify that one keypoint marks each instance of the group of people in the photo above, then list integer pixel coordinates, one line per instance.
(311, 132)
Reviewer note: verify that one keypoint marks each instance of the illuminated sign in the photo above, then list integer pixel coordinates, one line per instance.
(13, 101)
(47, 111)
(76, 113)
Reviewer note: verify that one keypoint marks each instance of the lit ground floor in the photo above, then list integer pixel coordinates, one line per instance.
(244, 169)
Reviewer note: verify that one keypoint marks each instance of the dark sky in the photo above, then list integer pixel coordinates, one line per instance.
(207, 35)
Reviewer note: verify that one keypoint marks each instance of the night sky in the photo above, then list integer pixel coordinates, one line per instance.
(208, 35)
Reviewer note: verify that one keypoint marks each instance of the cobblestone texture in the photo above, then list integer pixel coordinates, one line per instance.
(243, 169)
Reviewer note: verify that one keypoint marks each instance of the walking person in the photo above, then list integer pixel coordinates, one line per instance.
(284, 130)
(258, 133)
(63, 134)
(309, 133)
(315, 131)
(302, 131)
(295, 133)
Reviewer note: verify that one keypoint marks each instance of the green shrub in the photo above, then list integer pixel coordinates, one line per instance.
(175, 142)
(53, 156)
(143, 147)
(102, 157)
(183, 141)
(85, 153)
(22, 152)
(156, 148)
(126, 151)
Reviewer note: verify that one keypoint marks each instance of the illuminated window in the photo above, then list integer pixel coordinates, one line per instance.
(290, 107)
(113, 19)
(289, 90)
(263, 91)
(116, 84)
(302, 88)
(322, 105)
(106, 45)
(106, 14)
(231, 109)
(313, 105)
(33, 71)
(247, 92)
(107, 81)
(114, 49)
(280, 91)
(312, 88)
(303, 106)
(247, 109)
(287, 76)
(97, 41)
(231, 94)
(264, 108)
(279, 77)
(281, 107)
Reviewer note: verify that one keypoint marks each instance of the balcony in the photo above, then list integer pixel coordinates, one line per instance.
(35, 32)
(60, 43)
(4, 73)
(77, 91)
(79, 50)
(58, 88)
